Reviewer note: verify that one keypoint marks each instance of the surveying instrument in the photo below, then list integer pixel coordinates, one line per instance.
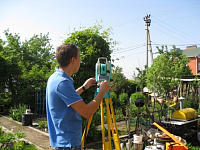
(103, 72)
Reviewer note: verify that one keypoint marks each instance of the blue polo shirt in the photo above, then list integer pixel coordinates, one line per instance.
(64, 123)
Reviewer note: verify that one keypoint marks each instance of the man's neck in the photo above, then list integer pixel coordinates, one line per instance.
(67, 70)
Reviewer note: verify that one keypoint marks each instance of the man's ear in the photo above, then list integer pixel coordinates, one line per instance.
(72, 60)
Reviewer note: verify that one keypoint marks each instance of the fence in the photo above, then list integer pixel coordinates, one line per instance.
(40, 103)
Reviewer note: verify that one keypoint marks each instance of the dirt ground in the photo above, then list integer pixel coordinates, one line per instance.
(36, 136)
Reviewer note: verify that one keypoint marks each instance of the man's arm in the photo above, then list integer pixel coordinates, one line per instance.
(80, 90)
(86, 85)
(87, 110)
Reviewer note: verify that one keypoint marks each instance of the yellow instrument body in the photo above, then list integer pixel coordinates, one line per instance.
(185, 114)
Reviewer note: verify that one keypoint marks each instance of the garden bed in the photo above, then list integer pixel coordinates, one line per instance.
(12, 141)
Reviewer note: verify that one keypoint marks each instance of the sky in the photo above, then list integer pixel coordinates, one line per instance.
(173, 22)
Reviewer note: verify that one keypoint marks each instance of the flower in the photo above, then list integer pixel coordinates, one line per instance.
(10, 144)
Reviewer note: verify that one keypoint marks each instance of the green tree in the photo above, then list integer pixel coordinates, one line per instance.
(191, 94)
(37, 64)
(3, 73)
(4, 98)
(37, 61)
(141, 77)
(115, 99)
(134, 109)
(3, 67)
(167, 70)
(131, 87)
(28, 66)
(118, 85)
(92, 44)
(123, 100)
(11, 54)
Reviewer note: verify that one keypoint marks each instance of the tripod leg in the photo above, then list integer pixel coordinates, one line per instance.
(108, 123)
(113, 114)
(115, 134)
(110, 120)
(85, 133)
(104, 144)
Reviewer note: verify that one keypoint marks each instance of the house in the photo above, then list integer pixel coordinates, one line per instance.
(193, 53)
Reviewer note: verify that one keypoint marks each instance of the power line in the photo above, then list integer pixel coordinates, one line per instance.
(169, 34)
(135, 54)
(175, 32)
(132, 46)
(177, 9)
(130, 49)
(174, 44)
(125, 23)
(173, 28)
(130, 55)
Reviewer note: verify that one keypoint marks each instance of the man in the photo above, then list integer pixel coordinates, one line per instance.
(64, 104)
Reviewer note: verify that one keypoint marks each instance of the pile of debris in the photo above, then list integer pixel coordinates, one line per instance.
(155, 139)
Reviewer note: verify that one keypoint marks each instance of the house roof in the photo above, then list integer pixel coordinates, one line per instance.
(191, 52)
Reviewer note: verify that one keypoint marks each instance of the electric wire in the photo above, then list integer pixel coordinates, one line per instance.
(164, 23)
(129, 22)
(169, 34)
(129, 49)
(153, 43)
(135, 54)
(178, 9)
(174, 32)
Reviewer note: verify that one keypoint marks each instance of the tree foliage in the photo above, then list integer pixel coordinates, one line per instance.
(120, 84)
(119, 81)
(38, 61)
(123, 100)
(134, 109)
(26, 66)
(141, 77)
(167, 70)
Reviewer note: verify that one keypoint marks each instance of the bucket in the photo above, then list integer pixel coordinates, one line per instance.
(138, 146)
(137, 138)
(198, 136)
(27, 119)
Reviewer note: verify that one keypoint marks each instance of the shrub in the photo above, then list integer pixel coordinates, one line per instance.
(191, 147)
(43, 124)
(119, 115)
(134, 109)
(16, 112)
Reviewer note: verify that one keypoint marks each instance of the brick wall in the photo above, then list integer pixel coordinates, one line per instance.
(192, 65)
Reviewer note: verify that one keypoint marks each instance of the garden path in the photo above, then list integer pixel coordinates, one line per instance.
(39, 138)
(34, 136)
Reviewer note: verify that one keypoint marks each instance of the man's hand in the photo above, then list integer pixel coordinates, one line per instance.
(104, 86)
(89, 82)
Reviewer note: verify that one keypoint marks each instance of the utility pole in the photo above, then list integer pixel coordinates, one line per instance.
(150, 49)
(148, 42)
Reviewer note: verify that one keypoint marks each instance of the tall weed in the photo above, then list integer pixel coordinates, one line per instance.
(16, 112)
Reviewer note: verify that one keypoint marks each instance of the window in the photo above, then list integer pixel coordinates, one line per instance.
(199, 67)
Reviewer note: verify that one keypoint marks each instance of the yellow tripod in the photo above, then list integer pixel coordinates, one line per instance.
(111, 122)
